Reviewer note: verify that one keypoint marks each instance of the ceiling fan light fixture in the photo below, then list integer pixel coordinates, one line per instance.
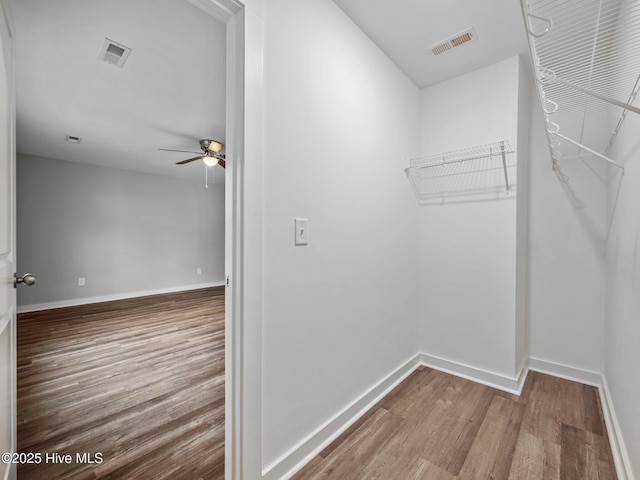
(209, 161)
(214, 146)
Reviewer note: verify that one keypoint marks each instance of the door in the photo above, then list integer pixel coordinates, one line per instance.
(7, 249)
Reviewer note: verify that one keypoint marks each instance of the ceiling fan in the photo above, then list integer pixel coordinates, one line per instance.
(210, 154)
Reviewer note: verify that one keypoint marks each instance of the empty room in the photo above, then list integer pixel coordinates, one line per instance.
(424, 263)
(122, 222)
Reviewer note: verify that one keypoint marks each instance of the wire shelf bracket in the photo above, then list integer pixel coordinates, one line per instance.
(586, 59)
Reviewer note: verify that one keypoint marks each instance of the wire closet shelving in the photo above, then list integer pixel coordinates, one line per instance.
(473, 171)
(586, 59)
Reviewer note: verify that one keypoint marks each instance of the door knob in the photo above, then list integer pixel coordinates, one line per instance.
(27, 279)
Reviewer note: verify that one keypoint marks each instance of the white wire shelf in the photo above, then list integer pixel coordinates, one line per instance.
(586, 58)
(470, 172)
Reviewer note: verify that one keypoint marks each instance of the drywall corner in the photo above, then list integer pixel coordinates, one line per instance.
(468, 247)
(298, 456)
(522, 211)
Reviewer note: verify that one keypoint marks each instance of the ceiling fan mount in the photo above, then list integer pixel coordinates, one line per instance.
(210, 154)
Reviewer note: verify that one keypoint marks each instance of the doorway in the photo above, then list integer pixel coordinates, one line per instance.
(229, 13)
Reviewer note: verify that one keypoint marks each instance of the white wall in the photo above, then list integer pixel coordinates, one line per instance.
(468, 248)
(339, 314)
(323, 88)
(622, 305)
(566, 266)
(125, 232)
(622, 352)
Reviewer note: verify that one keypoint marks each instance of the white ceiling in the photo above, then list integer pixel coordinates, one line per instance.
(406, 29)
(169, 94)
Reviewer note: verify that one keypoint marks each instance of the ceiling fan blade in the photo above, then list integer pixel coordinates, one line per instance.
(189, 160)
(222, 163)
(170, 150)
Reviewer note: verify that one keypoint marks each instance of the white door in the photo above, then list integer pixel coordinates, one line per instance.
(7, 249)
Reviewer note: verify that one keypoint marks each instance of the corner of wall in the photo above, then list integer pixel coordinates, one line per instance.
(522, 212)
(299, 455)
(619, 449)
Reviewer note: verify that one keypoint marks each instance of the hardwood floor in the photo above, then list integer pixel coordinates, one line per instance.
(435, 426)
(142, 383)
(139, 381)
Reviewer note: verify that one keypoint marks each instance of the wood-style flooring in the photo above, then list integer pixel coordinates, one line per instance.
(435, 426)
(139, 381)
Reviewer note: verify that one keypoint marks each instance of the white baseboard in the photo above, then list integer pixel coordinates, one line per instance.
(292, 461)
(478, 375)
(564, 371)
(296, 458)
(618, 448)
(108, 298)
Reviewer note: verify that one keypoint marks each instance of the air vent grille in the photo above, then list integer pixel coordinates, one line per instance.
(464, 38)
(454, 41)
(440, 49)
(114, 53)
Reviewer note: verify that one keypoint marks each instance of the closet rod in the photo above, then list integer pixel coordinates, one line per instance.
(593, 152)
(465, 159)
(554, 78)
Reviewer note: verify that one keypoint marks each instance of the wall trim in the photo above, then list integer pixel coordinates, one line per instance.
(220, 10)
(565, 371)
(478, 375)
(298, 456)
(618, 447)
(599, 380)
(109, 298)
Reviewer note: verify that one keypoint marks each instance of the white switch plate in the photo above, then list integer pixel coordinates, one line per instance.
(198, 271)
(81, 282)
(302, 231)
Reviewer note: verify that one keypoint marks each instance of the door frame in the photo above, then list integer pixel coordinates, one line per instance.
(243, 233)
(6, 44)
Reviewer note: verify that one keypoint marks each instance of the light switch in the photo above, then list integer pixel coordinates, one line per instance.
(302, 232)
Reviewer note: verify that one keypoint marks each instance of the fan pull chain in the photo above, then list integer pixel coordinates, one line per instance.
(206, 177)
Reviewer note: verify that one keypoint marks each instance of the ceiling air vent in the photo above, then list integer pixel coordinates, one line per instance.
(450, 43)
(114, 53)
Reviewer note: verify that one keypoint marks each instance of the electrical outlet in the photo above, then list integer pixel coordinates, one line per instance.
(81, 281)
(198, 271)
